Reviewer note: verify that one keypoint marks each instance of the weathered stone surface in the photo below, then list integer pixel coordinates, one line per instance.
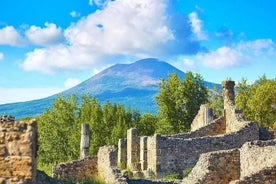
(107, 166)
(133, 149)
(122, 154)
(265, 176)
(228, 93)
(163, 155)
(17, 150)
(257, 155)
(219, 167)
(73, 171)
(204, 117)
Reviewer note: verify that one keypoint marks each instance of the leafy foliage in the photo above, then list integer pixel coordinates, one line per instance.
(258, 101)
(59, 127)
(56, 131)
(216, 101)
(179, 101)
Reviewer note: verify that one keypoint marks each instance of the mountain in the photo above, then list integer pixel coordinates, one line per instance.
(134, 85)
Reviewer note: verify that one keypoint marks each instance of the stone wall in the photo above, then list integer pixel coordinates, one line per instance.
(216, 127)
(17, 150)
(175, 155)
(203, 117)
(107, 166)
(79, 169)
(257, 155)
(264, 176)
(218, 167)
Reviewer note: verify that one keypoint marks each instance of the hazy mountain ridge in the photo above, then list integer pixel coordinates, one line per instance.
(133, 85)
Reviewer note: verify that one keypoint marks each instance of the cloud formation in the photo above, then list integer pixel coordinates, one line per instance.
(123, 28)
(237, 54)
(196, 24)
(10, 36)
(49, 35)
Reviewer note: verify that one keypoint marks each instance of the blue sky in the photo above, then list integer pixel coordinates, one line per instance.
(49, 46)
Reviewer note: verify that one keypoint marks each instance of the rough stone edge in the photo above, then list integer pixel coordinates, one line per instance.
(110, 168)
(203, 170)
(266, 175)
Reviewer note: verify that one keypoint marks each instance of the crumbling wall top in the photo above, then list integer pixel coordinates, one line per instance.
(228, 93)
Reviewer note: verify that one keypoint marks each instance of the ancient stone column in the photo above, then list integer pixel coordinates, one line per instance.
(84, 143)
(122, 153)
(133, 149)
(228, 93)
(143, 153)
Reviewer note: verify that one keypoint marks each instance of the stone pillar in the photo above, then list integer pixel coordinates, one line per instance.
(143, 153)
(228, 93)
(122, 153)
(133, 149)
(208, 115)
(84, 143)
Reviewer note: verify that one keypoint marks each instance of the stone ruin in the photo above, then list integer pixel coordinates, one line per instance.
(212, 143)
(219, 150)
(18, 147)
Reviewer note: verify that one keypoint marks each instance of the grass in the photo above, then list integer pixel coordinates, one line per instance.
(187, 171)
(172, 176)
(47, 168)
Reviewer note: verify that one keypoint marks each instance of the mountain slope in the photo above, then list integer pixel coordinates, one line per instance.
(143, 74)
(133, 85)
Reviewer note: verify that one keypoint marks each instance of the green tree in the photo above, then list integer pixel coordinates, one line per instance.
(55, 127)
(216, 101)
(257, 101)
(243, 94)
(147, 124)
(179, 101)
(195, 94)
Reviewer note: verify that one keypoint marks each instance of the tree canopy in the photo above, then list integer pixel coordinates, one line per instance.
(179, 101)
(59, 127)
(258, 101)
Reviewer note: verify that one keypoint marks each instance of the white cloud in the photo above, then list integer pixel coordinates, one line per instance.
(58, 57)
(49, 35)
(10, 95)
(258, 46)
(223, 57)
(196, 24)
(75, 14)
(237, 54)
(122, 27)
(71, 82)
(98, 2)
(10, 36)
(184, 63)
(1, 56)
